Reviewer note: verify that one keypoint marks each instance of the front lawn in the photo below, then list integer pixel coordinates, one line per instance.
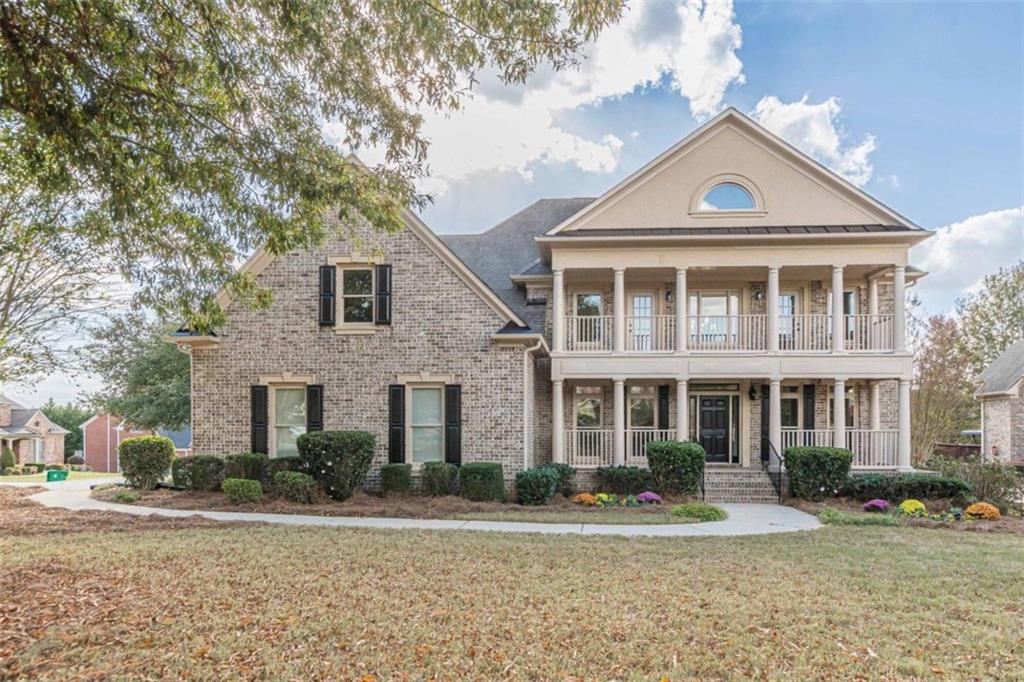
(611, 516)
(41, 478)
(317, 603)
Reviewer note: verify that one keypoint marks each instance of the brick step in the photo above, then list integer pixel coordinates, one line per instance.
(738, 486)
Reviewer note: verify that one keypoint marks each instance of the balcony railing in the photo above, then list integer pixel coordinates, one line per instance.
(727, 332)
(871, 448)
(805, 332)
(637, 440)
(869, 332)
(590, 448)
(589, 332)
(650, 333)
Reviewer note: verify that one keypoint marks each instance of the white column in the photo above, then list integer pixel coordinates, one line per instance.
(775, 413)
(876, 406)
(682, 411)
(558, 310)
(839, 418)
(557, 423)
(773, 309)
(899, 299)
(619, 308)
(681, 309)
(619, 457)
(903, 451)
(873, 296)
(838, 325)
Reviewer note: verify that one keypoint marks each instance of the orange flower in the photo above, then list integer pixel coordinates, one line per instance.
(982, 510)
(584, 499)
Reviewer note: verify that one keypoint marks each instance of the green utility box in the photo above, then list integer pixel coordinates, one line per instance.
(55, 475)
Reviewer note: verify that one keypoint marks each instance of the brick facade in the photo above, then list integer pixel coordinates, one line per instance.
(1003, 429)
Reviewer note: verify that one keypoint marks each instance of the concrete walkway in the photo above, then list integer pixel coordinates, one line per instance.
(744, 519)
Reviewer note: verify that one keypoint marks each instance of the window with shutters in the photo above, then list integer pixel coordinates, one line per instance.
(791, 406)
(426, 423)
(355, 292)
(288, 419)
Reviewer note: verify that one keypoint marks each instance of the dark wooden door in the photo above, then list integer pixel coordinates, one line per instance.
(714, 427)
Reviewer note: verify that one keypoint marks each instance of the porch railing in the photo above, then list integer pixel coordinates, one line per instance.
(872, 449)
(589, 332)
(589, 447)
(650, 333)
(727, 332)
(637, 440)
(805, 332)
(869, 332)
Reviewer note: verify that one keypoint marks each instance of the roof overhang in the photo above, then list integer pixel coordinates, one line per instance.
(193, 340)
(1011, 392)
(521, 339)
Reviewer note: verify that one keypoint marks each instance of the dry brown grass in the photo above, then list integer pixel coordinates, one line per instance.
(302, 603)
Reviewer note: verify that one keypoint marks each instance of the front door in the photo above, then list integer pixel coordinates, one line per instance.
(714, 427)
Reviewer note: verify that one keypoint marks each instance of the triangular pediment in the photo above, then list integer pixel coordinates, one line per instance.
(788, 187)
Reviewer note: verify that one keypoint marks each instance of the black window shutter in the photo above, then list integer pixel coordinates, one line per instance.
(328, 286)
(382, 307)
(765, 421)
(453, 424)
(258, 440)
(808, 407)
(396, 423)
(314, 408)
(663, 407)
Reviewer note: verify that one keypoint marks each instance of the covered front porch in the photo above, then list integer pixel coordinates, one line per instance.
(609, 422)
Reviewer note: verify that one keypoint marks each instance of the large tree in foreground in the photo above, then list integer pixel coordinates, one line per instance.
(146, 380)
(194, 126)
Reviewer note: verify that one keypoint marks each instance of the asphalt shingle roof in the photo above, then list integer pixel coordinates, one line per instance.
(1006, 371)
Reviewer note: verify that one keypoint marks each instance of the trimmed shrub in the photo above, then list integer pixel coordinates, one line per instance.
(75, 459)
(816, 472)
(676, 466)
(536, 486)
(277, 464)
(396, 478)
(34, 467)
(242, 491)
(566, 478)
(51, 467)
(993, 481)
(145, 460)
(201, 472)
(982, 510)
(7, 460)
(295, 486)
(126, 496)
(624, 480)
(338, 460)
(902, 486)
(10, 471)
(439, 478)
(482, 481)
(836, 517)
(251, 465)
(701, 511)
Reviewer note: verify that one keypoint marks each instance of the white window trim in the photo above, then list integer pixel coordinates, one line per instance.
(409, 387)
(576, 300)
(799, 397)
(697, 198)
(341, 325)
(272, 413)
(648, 393)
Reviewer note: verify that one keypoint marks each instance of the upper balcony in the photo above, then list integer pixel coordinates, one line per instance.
(731, 313)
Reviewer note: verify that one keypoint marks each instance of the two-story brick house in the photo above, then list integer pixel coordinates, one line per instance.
(725, 293)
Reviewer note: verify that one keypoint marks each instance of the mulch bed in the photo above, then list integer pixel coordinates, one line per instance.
(366, 504)
(22, 517)
(1007, 524)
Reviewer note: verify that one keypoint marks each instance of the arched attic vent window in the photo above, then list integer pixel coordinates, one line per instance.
(727, 196)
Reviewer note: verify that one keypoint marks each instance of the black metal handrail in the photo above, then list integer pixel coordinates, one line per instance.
(703, 491)
(774, 476)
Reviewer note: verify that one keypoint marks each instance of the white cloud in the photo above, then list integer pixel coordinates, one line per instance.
(815, 129)
(959, 256)
(690, 47)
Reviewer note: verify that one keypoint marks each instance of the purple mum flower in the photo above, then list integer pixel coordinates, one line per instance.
(648, 497)
(876, 505)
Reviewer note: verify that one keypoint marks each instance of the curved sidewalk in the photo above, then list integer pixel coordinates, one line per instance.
(744, 519)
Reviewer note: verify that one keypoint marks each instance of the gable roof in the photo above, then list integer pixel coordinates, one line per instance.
(1003, 374)
(4, 400)
(732, 117)
(22, 416)
(508, 249)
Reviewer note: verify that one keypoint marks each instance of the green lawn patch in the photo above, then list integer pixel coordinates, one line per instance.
(617, 518)
(41, 478)
(837, 517)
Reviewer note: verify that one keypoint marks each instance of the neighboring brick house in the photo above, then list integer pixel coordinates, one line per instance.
(30, 434)
(1001, 393)
(102, 435)
(569, 331)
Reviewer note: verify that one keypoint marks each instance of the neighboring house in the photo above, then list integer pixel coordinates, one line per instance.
(30, 434)
(723, 293)
(1001, 393)
(101, 436)
(182, 440)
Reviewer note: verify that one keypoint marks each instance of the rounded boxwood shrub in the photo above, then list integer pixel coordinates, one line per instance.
(242, 491)
(624, 480)
(338, 460)
(482, 481)
(7, 460)
(676, 466)
(566, 478)
(251, 465)
(276, 464)
(202, 473)
(76, 459)
(396, 478)
(536, 486)
(295, 486)
(816, 472)
(439, 478)
(145, 460)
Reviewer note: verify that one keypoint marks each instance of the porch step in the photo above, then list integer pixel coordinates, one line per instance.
(738, 485)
